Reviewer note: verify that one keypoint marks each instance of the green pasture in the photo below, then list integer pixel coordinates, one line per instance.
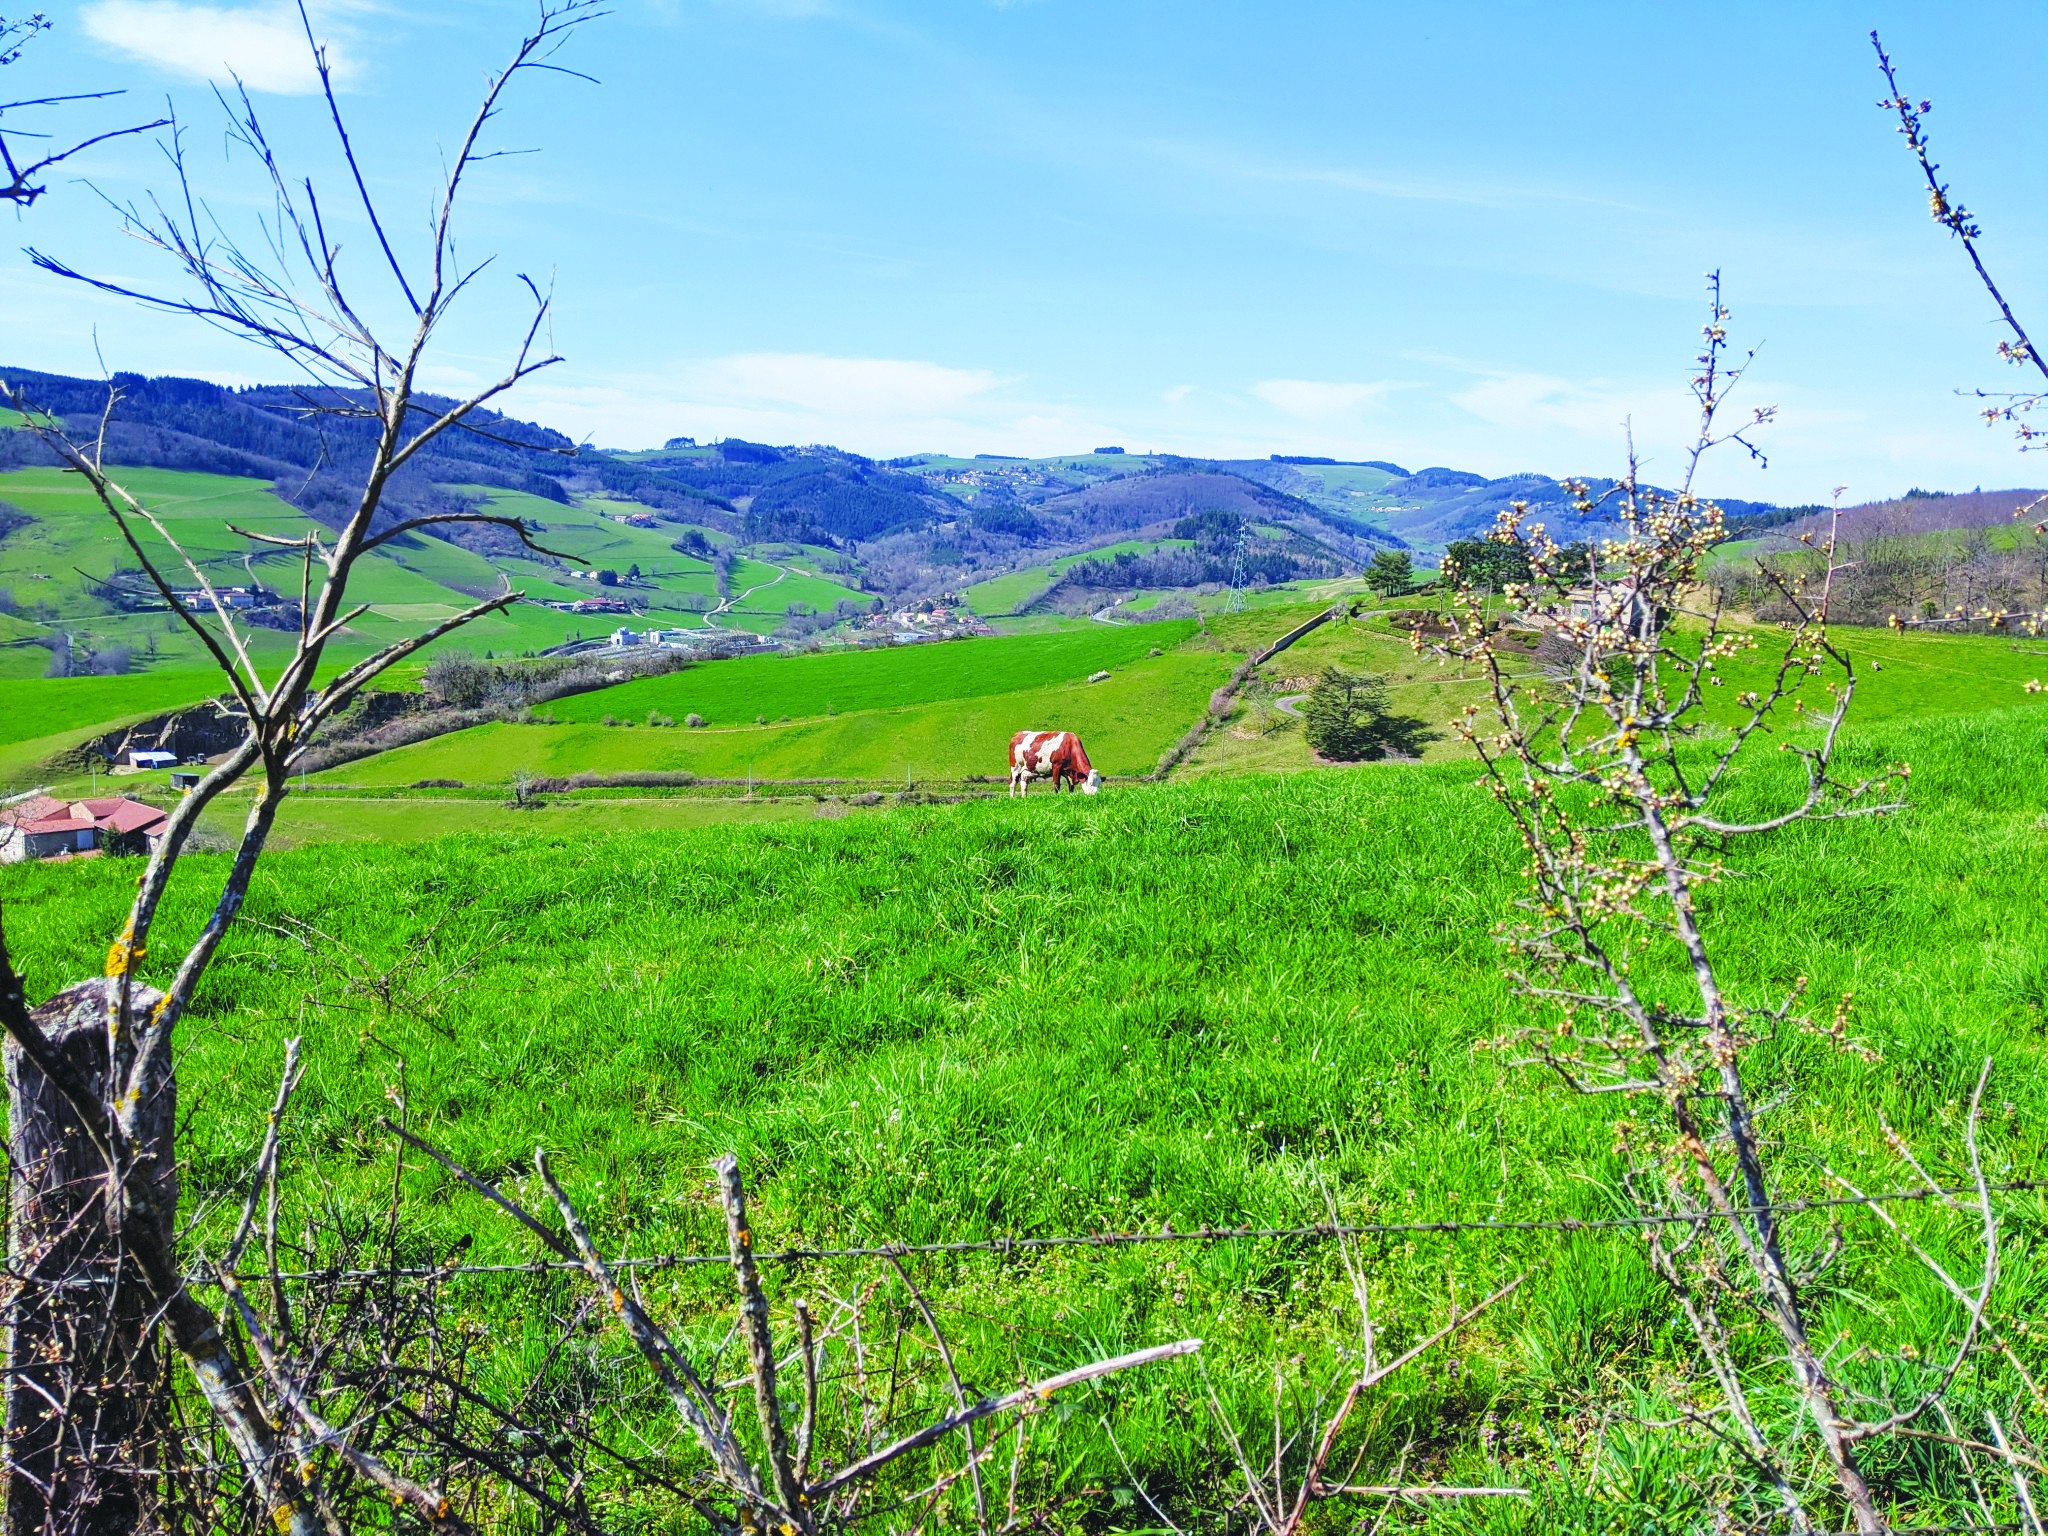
(42, 717)
(582, 533)
(410, 583)
(1215, 1002)
(1007, 593)
(735, 692)
(1037, 623)
(1932, 544)
(50, 706)
(73, 536)
(1127, 723)
(1340, 478)
(775, 597)
(1900, 676)
(21, 660)
(322, 818)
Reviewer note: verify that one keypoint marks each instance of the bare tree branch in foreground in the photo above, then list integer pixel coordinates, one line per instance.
(1282, 1487)
(769, 1481)
(293, 300)
(21, 168)
(1617, 767)
(2013, 407)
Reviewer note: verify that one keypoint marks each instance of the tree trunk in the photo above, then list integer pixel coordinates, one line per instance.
(83, 1369)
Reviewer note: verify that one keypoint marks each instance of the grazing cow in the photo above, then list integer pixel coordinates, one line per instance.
(1055, 755)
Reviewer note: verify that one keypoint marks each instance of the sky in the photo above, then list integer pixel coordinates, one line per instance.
(1462, 234)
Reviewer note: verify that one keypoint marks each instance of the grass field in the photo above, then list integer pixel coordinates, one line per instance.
(1202, 1002)
(410, 583)
(1195, 1003)
(1901, 675)
(734, 692)
(1933, 543)
(1341, 478)
(1127, 723)
(1282, 595)
(337, 819)
(1007, 593)
(44, 716)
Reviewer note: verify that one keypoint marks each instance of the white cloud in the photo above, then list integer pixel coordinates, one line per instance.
(1534, 400)
(1177, 394)
(264, 45)
(1539, 407)
(872, 405)
(1312, 400)
(855, 388)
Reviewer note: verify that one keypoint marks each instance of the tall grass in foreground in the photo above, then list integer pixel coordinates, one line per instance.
(1194, 1004)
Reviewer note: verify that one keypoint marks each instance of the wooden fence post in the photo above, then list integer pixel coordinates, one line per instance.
(82, 1367)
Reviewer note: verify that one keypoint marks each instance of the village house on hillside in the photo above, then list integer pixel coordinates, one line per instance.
(939, 618)
(43, 828)
(1614, 603)
(230, 597)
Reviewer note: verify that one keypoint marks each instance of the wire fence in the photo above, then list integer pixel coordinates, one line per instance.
(1318, 1232)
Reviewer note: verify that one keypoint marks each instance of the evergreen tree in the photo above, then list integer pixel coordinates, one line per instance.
(1485, 563)
(1350, 719)
(1391, 571)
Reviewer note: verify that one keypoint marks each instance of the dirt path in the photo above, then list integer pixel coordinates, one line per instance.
(711, 618)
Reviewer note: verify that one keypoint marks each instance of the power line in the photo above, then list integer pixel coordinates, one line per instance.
(1320, 1232)
(1236, 602)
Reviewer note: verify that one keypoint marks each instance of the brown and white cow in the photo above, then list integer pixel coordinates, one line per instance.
(1055, 755)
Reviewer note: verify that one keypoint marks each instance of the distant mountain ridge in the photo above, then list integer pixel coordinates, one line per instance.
(915, 512)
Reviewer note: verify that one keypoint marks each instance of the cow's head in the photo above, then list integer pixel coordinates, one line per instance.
(1092, 785)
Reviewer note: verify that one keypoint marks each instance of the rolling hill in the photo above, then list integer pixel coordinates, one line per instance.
(729, 535)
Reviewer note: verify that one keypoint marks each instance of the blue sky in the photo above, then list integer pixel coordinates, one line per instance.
(1461, 234)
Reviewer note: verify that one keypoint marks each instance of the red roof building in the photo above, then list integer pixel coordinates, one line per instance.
(43, 828)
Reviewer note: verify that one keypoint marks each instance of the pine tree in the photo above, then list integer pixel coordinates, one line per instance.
(1348, 718)
(1390, 571)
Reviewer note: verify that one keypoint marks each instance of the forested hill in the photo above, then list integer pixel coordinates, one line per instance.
(913, 512)
(312, 443)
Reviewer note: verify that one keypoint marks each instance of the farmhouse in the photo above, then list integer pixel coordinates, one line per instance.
(229, 597)
(1613, 604)
(43, 828)
(623, 639)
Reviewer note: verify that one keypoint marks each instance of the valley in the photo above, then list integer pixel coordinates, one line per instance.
(721, 800)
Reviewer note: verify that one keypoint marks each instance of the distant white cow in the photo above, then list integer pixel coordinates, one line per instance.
(1055, 755)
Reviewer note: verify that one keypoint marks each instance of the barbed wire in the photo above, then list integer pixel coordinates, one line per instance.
(1318, 1232)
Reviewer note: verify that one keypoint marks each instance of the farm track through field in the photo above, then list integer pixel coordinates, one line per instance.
(711, 618)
